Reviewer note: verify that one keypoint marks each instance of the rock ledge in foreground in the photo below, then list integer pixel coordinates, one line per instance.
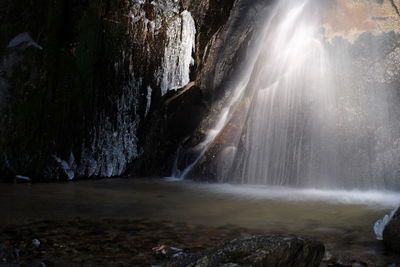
(275, 250)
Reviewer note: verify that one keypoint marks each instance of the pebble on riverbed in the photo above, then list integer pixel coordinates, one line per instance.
(36, 243)
(107, 242)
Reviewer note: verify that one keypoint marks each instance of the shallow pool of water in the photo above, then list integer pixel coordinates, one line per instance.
(343, 220)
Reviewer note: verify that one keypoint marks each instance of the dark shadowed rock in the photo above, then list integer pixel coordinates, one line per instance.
(391, 233)
(277, 250)
(98, 71)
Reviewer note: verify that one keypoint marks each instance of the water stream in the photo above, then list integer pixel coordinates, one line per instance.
(312, 118)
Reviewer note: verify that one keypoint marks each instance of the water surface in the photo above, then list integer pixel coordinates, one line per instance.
(343, 220)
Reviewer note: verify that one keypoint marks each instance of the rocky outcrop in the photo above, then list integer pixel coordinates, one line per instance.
(83, 93)
(90, 88)
(73, 106)
(391, 233)
(350, 19)
(225, 31)
(362, 42)
(258, 251)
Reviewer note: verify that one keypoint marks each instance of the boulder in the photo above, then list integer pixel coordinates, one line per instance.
(391, 233)
(275, 250)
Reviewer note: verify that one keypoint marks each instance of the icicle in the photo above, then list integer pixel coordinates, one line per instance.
(380, 225)
(23, 40)
(148, 104)
(69, 166)
(175, 69)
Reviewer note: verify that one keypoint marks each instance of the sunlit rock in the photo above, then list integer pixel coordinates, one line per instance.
(350, 19)
(317, 105)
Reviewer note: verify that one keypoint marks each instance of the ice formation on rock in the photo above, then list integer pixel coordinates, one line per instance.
(380, 225)
(23, 40)
(114, 143)
(148, 98)
(164, 11)
(175, 69)
(180, 40)
(69, 166)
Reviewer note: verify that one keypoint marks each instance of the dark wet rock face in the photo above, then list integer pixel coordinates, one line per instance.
(72, 104)
(224, 31)
(100, 88)
(97, 85)
(86, 94)
(259, 251)
(391, 233)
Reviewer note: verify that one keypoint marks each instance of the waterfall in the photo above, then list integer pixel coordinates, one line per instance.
(289, 128)
(313, 117)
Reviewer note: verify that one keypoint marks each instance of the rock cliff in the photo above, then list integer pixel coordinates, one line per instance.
(100, 88)
(84, 84)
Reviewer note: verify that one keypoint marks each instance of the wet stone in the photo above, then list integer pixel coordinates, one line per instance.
(106, 242)
(275, 250)
(391, 233)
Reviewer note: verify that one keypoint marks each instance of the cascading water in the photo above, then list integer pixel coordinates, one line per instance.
(289, 133)
(310, 120)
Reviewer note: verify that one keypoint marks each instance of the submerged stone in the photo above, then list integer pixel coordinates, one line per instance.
(275, 250)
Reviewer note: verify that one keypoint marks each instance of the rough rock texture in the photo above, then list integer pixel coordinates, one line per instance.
(259, 251)
(391, 233)
(222, 41)
(83, 83)
(91, 88)
(73, 107)
(227, 54)
(350, 19)
(363, 38)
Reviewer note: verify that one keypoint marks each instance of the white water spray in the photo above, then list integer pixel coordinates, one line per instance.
(311, 121)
